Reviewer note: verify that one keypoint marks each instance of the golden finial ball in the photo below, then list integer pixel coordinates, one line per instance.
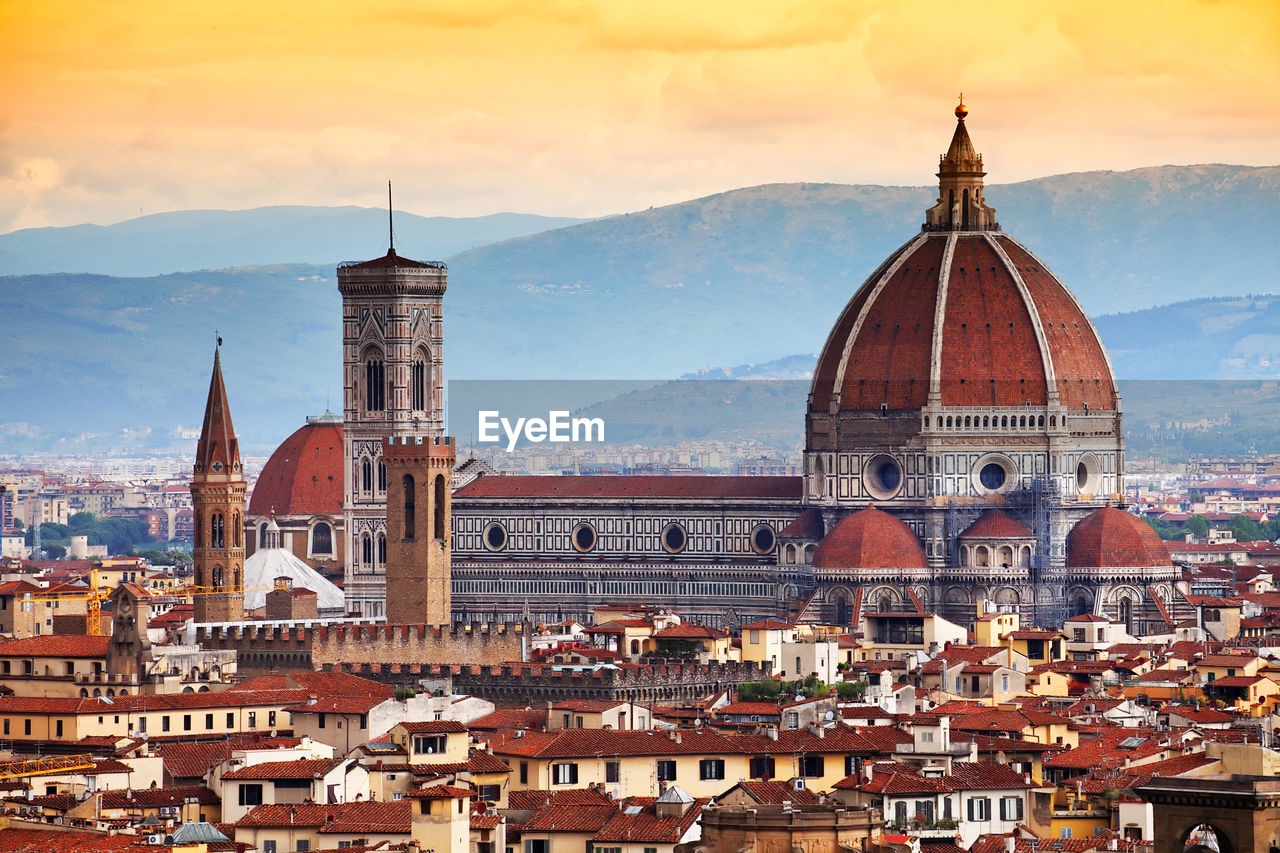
(962, 111)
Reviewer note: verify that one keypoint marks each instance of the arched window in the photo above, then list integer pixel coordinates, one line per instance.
(438, 523)
(235, 528)
(410, 499)
(322, 539)
(964, 211)
(418, 382)
(262, 536)
(366, 475)
(375, 383)
(217, 578)
(217, 527)
(382, 549)
(366, 550)
(382, 476)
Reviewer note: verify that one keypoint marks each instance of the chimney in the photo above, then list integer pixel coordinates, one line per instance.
(1001, 758)
(771, 732)
(1010, 843)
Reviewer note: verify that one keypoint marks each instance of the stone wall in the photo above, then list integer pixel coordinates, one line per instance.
(518, 685)
(265, 649)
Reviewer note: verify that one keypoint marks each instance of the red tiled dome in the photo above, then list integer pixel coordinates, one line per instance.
(869, 539)
(304, 474)
(1113, 538)
(1006, 332)
(997, 524)
(963, 312)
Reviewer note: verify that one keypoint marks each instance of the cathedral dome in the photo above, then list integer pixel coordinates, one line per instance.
(997, 524)
(869, 539)
(962, 315)
(304, 474)
(1113, 538)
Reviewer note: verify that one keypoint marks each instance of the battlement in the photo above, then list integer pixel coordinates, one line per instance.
(519, 683)
(273, 648)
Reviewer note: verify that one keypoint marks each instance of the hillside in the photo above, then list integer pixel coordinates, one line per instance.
(744, 277)
(217, 239)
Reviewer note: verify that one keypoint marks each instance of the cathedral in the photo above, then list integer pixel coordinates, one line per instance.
(963, 444)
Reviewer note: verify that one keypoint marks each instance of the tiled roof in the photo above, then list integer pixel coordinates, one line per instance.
(441, 792)
(56, 645)
(806, 525)
(869, 539)
(363, 816)
(510, 718)
(1113, 538)
(319, 683)
(150, 702)
(302, 768)
(420, 727)
(645, 826)
(767, 625)
(581, 818)
(189, 760)
(145, 798)
(336, 705)
(588, 706)
(1199, 715)
(776, 793)
(685, 630)
(534, 799)
(985, 775)
(997, 524)
(761, 488)
(757, 709)
(303, 475)
(1235, 681)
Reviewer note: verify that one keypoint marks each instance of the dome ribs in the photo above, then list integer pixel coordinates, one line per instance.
(990, 355)
(1083, 373)
(828, 367)
(889, 361)
(870, 539)
(1113, 538)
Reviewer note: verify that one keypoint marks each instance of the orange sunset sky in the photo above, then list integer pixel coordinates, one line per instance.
(111, 109)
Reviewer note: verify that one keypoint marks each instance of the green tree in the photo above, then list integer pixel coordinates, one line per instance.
(851, 690)
(759, 691)
(1197, 525)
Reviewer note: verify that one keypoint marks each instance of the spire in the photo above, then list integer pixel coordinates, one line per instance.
(960, 204)
(218, 449)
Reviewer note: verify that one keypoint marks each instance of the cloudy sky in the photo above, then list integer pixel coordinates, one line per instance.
(112, 109)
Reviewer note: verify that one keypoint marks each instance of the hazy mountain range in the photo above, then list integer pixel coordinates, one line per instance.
(740, 278)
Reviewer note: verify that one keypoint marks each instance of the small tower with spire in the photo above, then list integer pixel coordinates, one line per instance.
(217, 496)
(960, 204)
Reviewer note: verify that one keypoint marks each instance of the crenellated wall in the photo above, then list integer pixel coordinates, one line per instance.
(268, 649)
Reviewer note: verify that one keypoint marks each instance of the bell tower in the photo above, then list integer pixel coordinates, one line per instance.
(392, 366)
(217, 496)
(419, 529)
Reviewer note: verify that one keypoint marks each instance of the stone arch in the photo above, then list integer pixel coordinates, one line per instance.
(982, 556)
(884, 598)
(789, 554)
(1007, 595)
(1024, 557)
(809, 551)
(1005, 558)
(1203, 835)
(840, 604)
(1079, 601)
(957, 595)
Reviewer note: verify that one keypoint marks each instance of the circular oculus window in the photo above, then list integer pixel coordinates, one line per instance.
(495, 536)
(674, 539)
(584, 537)
(763, 539)
(883, 477)
(994, 474)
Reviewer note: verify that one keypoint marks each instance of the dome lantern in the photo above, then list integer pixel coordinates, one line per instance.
(960, 204)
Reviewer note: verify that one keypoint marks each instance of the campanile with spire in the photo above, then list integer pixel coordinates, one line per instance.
(217, 496)
(392, 376)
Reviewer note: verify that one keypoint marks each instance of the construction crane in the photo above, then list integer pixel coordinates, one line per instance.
(44, 765)
(92, 600)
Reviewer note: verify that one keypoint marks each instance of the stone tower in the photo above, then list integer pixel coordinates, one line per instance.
(129, 650)
(392, 339)
(217, 497)
(419, 518)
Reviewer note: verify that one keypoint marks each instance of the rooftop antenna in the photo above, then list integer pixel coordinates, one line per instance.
(391, 226)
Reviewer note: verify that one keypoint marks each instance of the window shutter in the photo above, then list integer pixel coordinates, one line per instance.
(972, 803)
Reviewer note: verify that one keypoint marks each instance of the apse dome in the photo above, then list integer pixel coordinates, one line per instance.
(1113, 538)
(869, 539)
